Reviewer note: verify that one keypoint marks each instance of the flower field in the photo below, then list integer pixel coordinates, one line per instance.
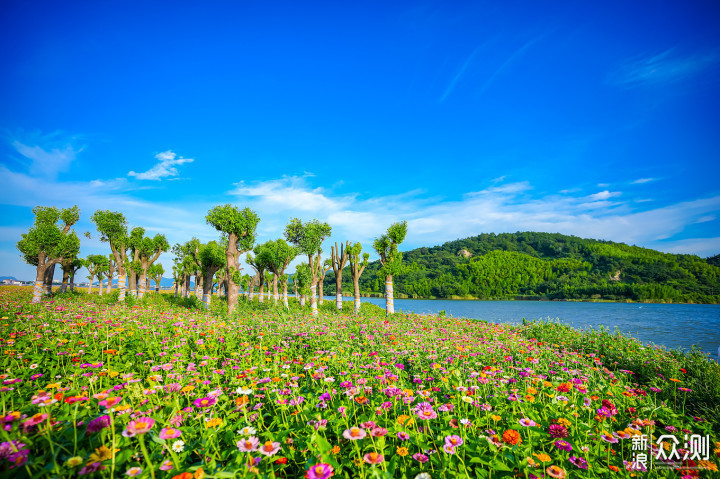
(160, 391)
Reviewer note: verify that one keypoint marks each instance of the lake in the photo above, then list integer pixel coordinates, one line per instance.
(669, 325)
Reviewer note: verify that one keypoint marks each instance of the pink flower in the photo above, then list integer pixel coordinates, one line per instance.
(110, 402)
(35, 420)
(248, 445)
(320, 471)
(167, 465)
(378, 432)
(139, 426)
(448, 449)
(453, 441)
(527, 422)
(269, 448)
(169, 433)
(421, 458)
(204, 402)
(354, 433)
(373, 458)
(427, 414)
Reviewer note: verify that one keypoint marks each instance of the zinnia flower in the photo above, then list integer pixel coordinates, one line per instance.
(373, 458)
(320, 471)
(527, 422)
(564, 445)
(453, 441)
(512, 437)
(133, 471)
(269, 448)
(354, 433)
(204, 402)
(248, 445)
(169, 433)
(556, 472)
(138, 426)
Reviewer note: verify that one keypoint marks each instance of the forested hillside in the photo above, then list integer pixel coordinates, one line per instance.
(545, 265)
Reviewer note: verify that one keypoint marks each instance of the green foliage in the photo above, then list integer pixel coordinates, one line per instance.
(231, 220)
(48, 238)
(302, 278)
(386, 246)
(112, 227)
(212, 256)
(308, 237)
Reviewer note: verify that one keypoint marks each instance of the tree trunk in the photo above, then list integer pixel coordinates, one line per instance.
(198, 286)
(261, 290)
(66, 276)
(132, 282)
(100, 286)
(49, 273)
(338, 291)
(72, 281)
(207, 289)
(111, 273)
(302, 300)
(356, 291)
(186, 286)
(175, 285)
(276, 296)
(389, 305)
(92, 276)
(321, 293)
(39, 281)
(231, 262)
(285, 298)
(313, 299)
(142, 284)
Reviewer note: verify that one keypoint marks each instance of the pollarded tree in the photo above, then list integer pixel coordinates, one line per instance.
(47, 243)
(386, 247)
(308, 239)
(95, 264)
(239, 226)
(271, 280)
(150, 250)
(260, 265)
(339, 259)
(279, 255)
(176, 277)
(212, 258)
(357, 266)
(302, 279)
(156, 272)
(132, 263)
(112, 265)
(283, 279)
(112, 227)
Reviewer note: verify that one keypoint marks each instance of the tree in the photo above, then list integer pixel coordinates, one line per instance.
(155, 272)
(278, 255)
(69, 267)
(327, 264)
(357, 267)
(176, 276)
(302, 279)
(112, 227)
(47, 243)
(212, 259)
(240, 227)
(339, 260)
(386, 247)
(95, 264)
(260, 265)
(111, 271)
(149, 251)
(284, 283)
(308, 239)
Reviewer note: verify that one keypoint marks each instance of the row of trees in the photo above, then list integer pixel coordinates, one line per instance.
(215, 265)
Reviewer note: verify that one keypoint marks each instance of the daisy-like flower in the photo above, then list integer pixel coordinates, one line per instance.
(204, 402)
(421, 458)
(448, 449)
(423, 475)
(167, 465)
(403, 436)
(169, 433)
(527, 422)
(248, 445)
(35, 420)
(269, 448)
(137, 426)
(579, 462)
(247, 431)
(243, 391)
(556, 472)
(373, 458)
(426, 414)
(178, 446)
(133, 471)
(564, 445)
(110, 402)
(354, 433)
(320, 471)
(453, 441)
(609, 438)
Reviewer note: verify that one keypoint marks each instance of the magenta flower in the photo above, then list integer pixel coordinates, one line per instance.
(248, 445)
(169, 433)
(320, 471)
(426, 414)
(564, 445)
(527, 422)
(609, 438)
(558, 431)
(453, 441)
(35, 420)
(138, 426)
(421, 458)
(403, 436)
(98, 424)
(448, 449)
(204, 402)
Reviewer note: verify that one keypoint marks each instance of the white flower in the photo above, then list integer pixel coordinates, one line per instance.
(178, 446)
(33, 366)
(423, 475)
(243, 391)
(247, 431)
(330, 379)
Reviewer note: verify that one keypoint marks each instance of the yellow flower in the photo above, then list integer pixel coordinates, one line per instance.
(74, 461)
(564, 422)
(542, 457)
(529, 398)
(495, 418)
(101, 454)
(402, 451)
(336, 450)
(402, 418)
(214, 422)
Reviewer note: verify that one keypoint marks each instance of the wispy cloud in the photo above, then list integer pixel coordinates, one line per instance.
(640, 181)
(664, 67)
(603, 195)
(459, 74)
(514, 56)
(166, 168)
(48, 155)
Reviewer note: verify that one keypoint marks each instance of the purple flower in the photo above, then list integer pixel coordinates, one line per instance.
(579, 462)
(421, 458)
(97, 424)
(564, 445)
(558, 431)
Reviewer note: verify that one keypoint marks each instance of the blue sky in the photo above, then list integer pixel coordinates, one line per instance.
(598, 120)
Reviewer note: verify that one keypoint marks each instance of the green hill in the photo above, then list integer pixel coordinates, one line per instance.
(546, 266)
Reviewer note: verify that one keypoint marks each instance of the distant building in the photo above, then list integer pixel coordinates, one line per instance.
(11, 282)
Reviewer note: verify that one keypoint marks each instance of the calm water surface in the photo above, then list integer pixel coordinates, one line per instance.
(669, 325)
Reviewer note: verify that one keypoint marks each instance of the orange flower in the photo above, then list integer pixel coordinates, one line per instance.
(361, 399)
(512, 437)
(184, 475)
(614, 468)
(199, 474)
(557, 472)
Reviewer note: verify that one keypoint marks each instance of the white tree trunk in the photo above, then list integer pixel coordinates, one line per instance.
(389, 305)
(100, 286)
(313, 300)
(121, 287)
(90, 286)
(338, 300)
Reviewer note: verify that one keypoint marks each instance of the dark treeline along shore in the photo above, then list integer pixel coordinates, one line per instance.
(533, 266)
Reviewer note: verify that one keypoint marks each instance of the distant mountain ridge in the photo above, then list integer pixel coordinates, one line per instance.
(529, 265)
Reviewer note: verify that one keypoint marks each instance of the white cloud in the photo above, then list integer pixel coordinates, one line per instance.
(603, 195)
(166, 167)
(46, 161)
(640, 181)
(664, 67)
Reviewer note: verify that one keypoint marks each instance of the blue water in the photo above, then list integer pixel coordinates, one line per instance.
(669, 325)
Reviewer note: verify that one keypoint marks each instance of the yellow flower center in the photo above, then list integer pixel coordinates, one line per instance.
(354, 432)
(268, 446)
(319, 469)
(140, 425)
(373, 456)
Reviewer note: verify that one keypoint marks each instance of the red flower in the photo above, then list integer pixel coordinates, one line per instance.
(683, 371)
(282, 460)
